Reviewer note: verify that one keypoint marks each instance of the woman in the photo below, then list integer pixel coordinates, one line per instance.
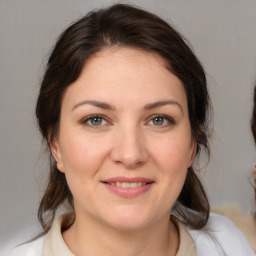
(123, 107)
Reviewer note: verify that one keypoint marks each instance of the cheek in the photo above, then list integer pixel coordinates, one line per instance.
(170, 158)
(173, 154)
(82, 159)
(82, 155)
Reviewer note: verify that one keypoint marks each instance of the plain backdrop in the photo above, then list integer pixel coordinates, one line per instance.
(223, 36)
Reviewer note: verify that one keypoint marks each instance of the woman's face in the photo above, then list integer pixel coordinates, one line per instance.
(124, 141)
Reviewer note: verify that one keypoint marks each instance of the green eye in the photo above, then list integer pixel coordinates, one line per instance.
(161, 121)
(158, 120)
(95, 121)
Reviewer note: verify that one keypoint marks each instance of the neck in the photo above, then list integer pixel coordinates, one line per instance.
(88, 237)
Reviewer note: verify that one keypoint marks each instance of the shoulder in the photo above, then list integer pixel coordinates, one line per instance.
(245, 223)
(29, 249)
(220, 237)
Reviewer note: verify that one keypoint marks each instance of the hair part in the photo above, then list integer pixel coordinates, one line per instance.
(123, 26)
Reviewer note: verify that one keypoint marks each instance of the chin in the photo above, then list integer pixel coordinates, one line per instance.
(129, 225)
(129, 220)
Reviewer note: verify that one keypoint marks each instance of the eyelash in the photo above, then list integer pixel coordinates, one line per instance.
(170, 120)
(85, 121)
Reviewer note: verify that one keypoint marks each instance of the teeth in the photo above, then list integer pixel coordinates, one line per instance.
(133, 185)
(125, 185)
(128, 184)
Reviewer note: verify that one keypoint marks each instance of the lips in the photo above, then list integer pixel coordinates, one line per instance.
(128, 184)
(128, 187)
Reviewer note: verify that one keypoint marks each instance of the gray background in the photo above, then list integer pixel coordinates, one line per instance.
(223, 35)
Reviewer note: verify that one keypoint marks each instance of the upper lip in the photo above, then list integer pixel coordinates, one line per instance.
(129, 180)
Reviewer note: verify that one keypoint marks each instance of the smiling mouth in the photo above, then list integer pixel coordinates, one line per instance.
(128, 184)
(128, 187)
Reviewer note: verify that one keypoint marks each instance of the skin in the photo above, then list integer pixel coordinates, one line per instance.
(125, 140)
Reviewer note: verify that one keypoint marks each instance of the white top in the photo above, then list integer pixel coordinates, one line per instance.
(218, 238)
(245, 223)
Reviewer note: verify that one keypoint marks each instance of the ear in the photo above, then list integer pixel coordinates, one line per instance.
(56, 152)
(192, 153)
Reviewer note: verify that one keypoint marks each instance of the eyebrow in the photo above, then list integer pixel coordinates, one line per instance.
(95, 103)
(161, 103)
(150, 106)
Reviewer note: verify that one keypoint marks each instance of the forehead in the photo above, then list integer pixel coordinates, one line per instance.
(126, 75)
(122, 57)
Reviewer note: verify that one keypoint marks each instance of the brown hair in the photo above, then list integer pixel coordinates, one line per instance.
(123, 25)
(253, 128)
(253, 120)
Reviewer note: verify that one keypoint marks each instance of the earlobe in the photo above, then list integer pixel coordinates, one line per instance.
(56, 152)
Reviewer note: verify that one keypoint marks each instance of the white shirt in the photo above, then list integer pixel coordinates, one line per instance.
(218, 238)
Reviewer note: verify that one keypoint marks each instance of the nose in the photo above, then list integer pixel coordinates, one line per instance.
(129, 148)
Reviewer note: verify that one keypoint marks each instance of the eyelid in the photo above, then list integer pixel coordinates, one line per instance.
(170, 119)
(84, 120)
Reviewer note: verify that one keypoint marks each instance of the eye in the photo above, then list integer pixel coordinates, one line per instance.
(161, 120)
(94, 120)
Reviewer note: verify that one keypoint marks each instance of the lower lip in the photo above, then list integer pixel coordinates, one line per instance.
(128, 192)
